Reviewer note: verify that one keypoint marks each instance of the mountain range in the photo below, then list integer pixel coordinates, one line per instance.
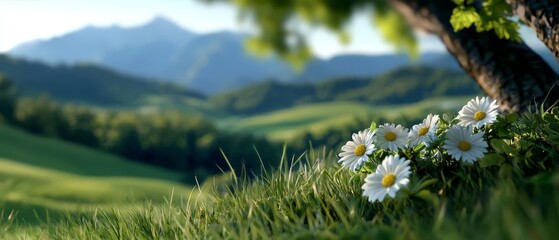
(86, 84)
(210, 63)
(160, 50)
(101, 87)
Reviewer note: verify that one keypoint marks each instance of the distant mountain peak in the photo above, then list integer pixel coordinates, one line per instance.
(160, 22)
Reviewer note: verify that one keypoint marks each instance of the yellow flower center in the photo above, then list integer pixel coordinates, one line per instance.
(464, 146)
(423, 130)
(360, 150)
(479, 115)
(390, 136)
(388, 180)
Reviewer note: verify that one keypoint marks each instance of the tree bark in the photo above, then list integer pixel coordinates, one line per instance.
(543, 17)
(507, 71)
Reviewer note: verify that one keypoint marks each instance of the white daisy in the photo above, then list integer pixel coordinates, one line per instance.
(356, 152)
(479, 112)
(424, 132)
(389, 177)
(464, 145)
(391, 137)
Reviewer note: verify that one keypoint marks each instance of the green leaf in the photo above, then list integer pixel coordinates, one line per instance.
(524, 144)
(394, 28)
(429, 197)
(492, 159)
(419, 147)
(505, 171)
(373, 126)
(540, 178)
(505, 29)
(548, 117)
(458, 2)
(496, 7)
(427, 183)
(463, 17)
(504, 133)
(511, 118)
(447, 119)
(501, 147)
(528, 154)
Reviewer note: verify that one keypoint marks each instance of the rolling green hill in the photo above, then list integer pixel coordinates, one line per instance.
(33, 192)
(39, 175)
(92, 85)
(317, 117)
(72, 158)
(99, 87)
(401, 86)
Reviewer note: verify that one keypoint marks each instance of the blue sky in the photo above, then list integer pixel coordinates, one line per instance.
(26, 20)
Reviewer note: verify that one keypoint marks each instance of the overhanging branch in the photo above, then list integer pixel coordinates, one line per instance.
(506, 70)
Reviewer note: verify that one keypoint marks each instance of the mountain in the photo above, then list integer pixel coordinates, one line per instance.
(355, 65)
(160, 49)
(86, 83)
(216, 62)
(97, 45)
(211, 63)
(402, 85)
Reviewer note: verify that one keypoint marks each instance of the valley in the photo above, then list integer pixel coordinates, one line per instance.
(42, 177)
(157, 119)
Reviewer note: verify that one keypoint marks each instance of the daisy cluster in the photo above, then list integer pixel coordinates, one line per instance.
(463, 142)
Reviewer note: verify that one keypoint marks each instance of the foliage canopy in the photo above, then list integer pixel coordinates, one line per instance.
(281, 24)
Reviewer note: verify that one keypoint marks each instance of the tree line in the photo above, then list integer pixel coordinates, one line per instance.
(173, 140)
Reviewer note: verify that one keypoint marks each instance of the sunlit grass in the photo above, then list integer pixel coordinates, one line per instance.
(318, 117)
(187, 105)
(72, 158)
(43, 178)
(314, 199)
(35, 193)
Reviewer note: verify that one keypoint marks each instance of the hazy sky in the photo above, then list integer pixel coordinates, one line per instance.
(25, 20)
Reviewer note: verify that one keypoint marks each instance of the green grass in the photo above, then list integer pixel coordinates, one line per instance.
(34, 192)
(72, 158)
(187, 105)
(320, 201)
(288, 123)
(42, 177)
(313, 198)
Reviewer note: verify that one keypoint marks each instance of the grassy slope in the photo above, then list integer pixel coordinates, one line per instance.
(30, 190)
(39, 174)
(188, 105)
(58, 155)
(318, 200)
(287, 123)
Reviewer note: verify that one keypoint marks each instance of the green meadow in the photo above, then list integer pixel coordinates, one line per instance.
(115, 129)
(42, 177)
(183, 104)
(287, 123)
(52, 189)
(72, 158)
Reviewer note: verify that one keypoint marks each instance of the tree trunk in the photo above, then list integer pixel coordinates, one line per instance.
(507, 71)
(543, 17)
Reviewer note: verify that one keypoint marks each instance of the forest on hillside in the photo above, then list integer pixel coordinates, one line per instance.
(174, 140)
